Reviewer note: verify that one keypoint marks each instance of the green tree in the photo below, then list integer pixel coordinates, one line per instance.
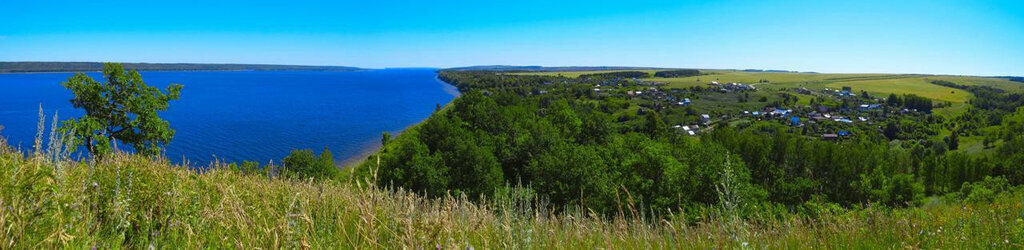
(384, 138)
(305, 164)
(654, 125)
(892, 130)
(894, 100)
(123, 108)
(953, 141)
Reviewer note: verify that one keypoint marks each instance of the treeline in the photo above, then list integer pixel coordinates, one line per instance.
(465, 80)
(677, 73)
(988, 98)
(618, 74)
(910, 101)
(1013, 78)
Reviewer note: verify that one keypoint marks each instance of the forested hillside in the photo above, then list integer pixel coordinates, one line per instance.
(595, 139)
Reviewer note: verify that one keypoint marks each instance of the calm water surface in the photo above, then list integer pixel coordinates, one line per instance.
(252, 115)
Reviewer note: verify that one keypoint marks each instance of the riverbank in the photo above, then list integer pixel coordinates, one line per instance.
(373, 148)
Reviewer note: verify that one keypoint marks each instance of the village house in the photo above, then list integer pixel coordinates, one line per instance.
(867, 107)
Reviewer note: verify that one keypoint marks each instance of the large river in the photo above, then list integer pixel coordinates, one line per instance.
(252, 115)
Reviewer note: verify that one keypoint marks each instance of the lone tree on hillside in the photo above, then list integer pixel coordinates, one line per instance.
(123, 108)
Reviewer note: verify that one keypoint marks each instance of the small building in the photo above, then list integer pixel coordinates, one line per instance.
(794, 121)
(781, 112)
(843, 133)
(705, 118)
(866, 107)
(829, 136)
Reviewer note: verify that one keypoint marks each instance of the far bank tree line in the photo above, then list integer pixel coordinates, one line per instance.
(641, 74)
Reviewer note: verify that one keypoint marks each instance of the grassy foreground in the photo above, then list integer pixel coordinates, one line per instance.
(135, 202)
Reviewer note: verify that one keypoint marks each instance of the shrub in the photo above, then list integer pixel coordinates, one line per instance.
(984, 190)
(304, 164)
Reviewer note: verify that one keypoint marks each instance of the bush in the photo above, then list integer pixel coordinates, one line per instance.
(304, 164)
(985, 190)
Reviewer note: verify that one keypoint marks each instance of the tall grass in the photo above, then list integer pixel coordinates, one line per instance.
(135, 202)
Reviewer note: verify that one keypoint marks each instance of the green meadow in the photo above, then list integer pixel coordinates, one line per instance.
(875, 84)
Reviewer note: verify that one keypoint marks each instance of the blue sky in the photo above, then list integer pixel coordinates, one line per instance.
(942, 37)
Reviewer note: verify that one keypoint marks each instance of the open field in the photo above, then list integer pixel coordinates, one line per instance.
(985, 81)
(876, 84)
(574, 74)
(915, 85)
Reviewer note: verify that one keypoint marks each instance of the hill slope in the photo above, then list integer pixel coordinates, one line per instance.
(135, 202)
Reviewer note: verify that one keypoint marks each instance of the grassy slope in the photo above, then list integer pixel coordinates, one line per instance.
(130, 201)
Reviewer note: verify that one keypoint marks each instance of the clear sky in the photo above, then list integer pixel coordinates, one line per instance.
(891, 36)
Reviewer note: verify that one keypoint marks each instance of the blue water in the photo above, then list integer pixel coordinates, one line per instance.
(252, 115)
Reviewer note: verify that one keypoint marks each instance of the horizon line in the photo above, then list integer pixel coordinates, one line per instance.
(489, 65)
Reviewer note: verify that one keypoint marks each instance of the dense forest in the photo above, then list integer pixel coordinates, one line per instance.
(573, 146)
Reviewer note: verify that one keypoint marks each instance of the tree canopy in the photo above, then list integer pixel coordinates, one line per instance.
(123, 108)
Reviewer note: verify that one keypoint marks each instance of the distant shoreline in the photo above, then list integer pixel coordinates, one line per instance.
(65, 67)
